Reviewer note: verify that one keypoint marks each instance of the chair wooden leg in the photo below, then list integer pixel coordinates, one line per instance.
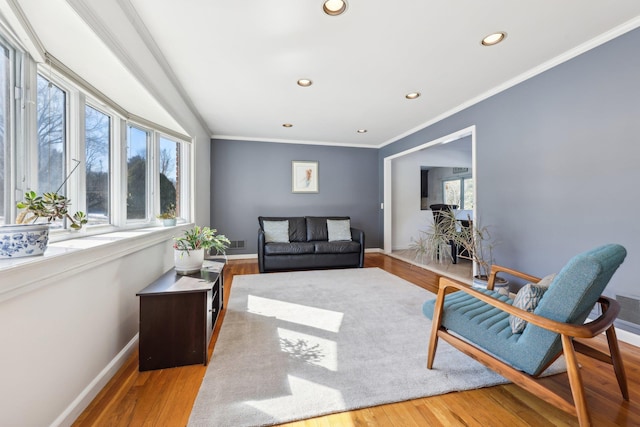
(616, 361)
(575, 381)
(436, 321)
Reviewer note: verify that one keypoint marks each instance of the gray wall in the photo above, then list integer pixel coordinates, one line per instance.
(557, 162)
(249, 179)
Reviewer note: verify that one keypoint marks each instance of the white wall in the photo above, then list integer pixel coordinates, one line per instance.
(66, 322)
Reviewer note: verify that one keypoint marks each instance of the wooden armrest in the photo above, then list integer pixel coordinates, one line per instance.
(610, 310)
(495, 269)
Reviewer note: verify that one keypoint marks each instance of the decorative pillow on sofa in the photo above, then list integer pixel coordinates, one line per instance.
(339, 229)
(276, 231)
(527, 299)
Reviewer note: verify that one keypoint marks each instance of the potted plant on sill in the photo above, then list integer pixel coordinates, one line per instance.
(168, 217)
(29, 236)
(189, 249)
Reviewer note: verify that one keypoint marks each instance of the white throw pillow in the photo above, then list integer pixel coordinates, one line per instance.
(339, 230)
(276, 231)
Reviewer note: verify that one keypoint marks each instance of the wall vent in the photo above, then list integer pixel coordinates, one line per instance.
(237, 244)
(629, 308)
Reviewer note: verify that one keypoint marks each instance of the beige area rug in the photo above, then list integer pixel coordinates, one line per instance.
(303, 344)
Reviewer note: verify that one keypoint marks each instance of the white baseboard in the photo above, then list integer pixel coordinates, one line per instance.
(243, 256)
(628, 337)
(80, 403)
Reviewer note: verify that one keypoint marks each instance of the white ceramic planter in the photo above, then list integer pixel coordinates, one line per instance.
(501, 286)
(169, 222)
(188, 262)
(22, 240)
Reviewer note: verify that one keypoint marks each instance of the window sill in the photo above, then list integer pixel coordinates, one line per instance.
(69, 257)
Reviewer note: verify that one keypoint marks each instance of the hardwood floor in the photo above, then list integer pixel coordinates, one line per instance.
(165, 397)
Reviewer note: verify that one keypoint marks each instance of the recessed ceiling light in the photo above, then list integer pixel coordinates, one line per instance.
(334, 7)
(494, 38)
(287, 125)
(305, 82)
(412, 95)
(361, 131)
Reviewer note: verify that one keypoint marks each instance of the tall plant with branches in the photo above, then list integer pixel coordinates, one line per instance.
(473, 242)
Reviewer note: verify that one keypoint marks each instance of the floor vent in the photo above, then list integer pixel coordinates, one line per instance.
(237, 244)
(629, 308)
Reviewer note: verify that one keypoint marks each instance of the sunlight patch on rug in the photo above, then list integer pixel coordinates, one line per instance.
(279, 407)
(295, 313)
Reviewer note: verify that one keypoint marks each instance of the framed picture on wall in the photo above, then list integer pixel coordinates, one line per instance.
(304, 176)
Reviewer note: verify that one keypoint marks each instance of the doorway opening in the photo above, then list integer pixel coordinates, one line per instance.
(403, 212)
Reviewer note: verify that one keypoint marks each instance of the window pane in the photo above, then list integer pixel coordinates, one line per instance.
(169, 175)
(451, 190)
(51, 112)
(5, 109)
(97, 138)
(468, 194)
(137, 173)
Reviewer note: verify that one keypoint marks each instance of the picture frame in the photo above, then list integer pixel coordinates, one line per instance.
(304, 176)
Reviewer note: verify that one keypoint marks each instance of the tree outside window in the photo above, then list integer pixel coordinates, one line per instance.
(137, 148)
(51, 107)
(169, 175)
(97, 161)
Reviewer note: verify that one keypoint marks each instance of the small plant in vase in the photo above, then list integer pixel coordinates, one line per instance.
(189, 249)
(168, 217)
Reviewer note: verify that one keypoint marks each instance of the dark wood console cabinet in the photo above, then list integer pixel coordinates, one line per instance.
(177, 317)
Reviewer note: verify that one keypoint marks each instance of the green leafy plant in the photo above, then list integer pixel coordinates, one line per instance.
(51, 206)
(201, 238)
(169, 213)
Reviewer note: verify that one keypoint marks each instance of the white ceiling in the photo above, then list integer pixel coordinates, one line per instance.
(239, 61)
(236, 63)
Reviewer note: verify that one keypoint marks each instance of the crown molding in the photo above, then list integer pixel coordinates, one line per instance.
(564, 57)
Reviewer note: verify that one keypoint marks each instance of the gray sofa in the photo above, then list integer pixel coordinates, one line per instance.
(307, 245)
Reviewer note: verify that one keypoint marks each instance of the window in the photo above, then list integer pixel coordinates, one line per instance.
(51, 117)
(5, 126)
(458, 192)
(169, 175)
(137, 154)
(97, 165)
(127, 172)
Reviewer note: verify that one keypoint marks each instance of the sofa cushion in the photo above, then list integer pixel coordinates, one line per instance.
(294, 248)
(339, 230)
(317, 227)
(336, 247)
(276, 231)
(297, 226)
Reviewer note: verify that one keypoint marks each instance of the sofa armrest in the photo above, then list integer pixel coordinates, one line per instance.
(357, 235)
(261, 243)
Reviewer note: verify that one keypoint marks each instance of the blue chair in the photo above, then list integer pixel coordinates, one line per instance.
(476, 321)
